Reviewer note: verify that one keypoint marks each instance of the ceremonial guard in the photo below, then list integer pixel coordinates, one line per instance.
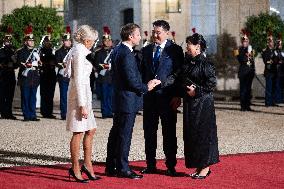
(7, 76)
(102, 65)
(269, 71)
(245, 56)
(63, 81)
(279, 60)
(28, 78)
(47, 76)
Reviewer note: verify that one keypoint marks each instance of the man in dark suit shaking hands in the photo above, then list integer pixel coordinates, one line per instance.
(160, 60)
(128, 88)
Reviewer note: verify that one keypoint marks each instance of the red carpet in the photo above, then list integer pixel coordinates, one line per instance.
(259, 170)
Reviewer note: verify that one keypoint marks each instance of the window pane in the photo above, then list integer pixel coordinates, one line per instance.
(58, 4)
(204, 19)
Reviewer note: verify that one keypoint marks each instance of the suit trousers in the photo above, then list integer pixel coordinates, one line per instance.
(47, 88)
(7, 90)
(63, 88)
(270, 89)
(279, 96)
(119, 141)
(28, 101)
(151, 115)
(245, 89)
(106, 99)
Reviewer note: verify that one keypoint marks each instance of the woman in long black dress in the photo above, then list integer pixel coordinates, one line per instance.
(200, 131)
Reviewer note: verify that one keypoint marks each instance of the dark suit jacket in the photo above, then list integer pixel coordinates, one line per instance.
(127, 82)
(171, 59)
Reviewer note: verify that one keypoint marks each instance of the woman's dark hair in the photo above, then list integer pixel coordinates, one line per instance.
(127, 30)
(162, 23)
(197, 39)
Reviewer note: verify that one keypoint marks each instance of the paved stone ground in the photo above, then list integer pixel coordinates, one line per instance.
(47, 141)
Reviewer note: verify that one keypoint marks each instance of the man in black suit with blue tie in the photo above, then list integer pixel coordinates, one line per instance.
(128, 89)
(160, 60)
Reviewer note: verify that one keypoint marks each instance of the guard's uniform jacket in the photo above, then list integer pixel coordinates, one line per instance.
(7, 80)
(270, 65)
(28, 79)
(27, 76)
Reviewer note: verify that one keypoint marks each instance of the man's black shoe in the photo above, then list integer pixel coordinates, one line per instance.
(171, 172)
(49, 116)
(12, 117)
(149, 170)
(249, 109)
(9, 117)
(35, 119)
(110, 172)
(129, 174)
(26, 119)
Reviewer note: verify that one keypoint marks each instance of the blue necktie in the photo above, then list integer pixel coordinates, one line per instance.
(156, 57)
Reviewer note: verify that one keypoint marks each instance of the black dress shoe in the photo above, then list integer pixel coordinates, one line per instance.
(34, 119)
(9, 117)
(197, 176)
(12, 117)
(171, 172)
(129, 174)
(149, 170)
(49, 116)
(110, 172)
(26, 119)
(71, 173)
(249, 109)
(87, 172)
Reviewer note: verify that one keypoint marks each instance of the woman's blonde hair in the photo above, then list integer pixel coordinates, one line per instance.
(85, 32)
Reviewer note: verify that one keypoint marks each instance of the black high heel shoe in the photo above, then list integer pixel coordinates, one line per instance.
(71, 173)
(197, 176)
(87, 172)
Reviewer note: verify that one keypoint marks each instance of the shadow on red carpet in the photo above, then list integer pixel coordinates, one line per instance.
(249, 171)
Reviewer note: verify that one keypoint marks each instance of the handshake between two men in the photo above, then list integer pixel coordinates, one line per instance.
(153, 83)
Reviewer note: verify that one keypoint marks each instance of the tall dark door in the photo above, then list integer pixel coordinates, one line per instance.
(128, 16)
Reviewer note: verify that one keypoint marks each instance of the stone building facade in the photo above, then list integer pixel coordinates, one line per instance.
(7, 6)
(98, 13)
(210, 17)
